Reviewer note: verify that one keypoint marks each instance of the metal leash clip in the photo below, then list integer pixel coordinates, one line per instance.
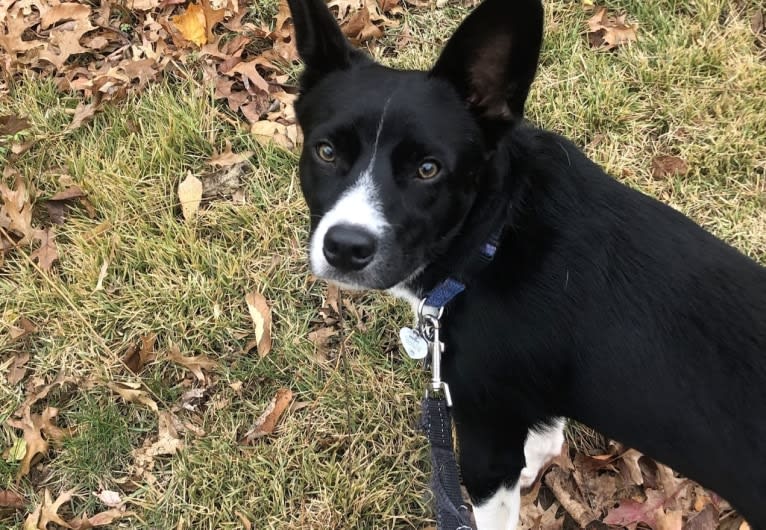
(429, 326)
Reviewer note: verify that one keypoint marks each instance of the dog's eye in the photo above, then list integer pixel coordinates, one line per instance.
(428, 169)
(325, 151)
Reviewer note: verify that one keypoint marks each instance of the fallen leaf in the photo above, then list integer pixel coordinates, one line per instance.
(109, 498)
(16, 211)
(168, 441)
(106, 518)
(36, 445)
(82, 115)
(138, 355)
(192, 24)
(194, 364)
(52, 432)
(22, 329)
(360, 27)
(11, 499)
(47, 252)
(664, 166)
(49, 510)
(267, 421)
(260, 313)
(11, 124)
(130, 393)
(18, 368)
(707, 519)
(57, 205)
(631, 512)
(213, 15)
(30, 523)
(190, 195)
(321, 339)
(669, 520)
(608, 32)
(228, 158)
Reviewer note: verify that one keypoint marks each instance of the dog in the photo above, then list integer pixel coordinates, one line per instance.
(601, 304)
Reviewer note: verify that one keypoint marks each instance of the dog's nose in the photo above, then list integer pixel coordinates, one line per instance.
(349, 247)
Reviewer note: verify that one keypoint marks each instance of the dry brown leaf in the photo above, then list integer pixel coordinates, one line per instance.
(321, 339)
(18, 368)
(267, 421)
(138, 355)
(168, 441)
(30, 523)
(49, 509)
(52, 432)
(260, 313)
(664, 166)
(669, 520)
(194, 364)
(36, 445)
(131, 393)
(706, 519)
(213, 15)
(192, 24)
(16, 211)
(607, 31)
(268, 132)
(250, 74)
(47, 252)
(22, 328)
(190, 195)
(359, 26)
(10, 124)
(227, 158)
(82, 115)
(11, 499)
(106, 518)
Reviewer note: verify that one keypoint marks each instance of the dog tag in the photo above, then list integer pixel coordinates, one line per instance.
(414, 344)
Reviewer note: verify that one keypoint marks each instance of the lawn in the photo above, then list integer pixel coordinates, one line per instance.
(689, 94)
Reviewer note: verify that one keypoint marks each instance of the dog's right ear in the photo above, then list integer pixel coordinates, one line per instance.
(319, 40)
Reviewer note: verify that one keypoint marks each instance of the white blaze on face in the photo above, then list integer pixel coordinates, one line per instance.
(359, 205)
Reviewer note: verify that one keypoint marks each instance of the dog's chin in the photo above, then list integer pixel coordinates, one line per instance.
(368, 279)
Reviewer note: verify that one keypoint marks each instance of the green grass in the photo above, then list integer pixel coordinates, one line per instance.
(350, 456)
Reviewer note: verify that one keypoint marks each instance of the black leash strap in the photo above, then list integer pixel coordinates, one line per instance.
(452, 513)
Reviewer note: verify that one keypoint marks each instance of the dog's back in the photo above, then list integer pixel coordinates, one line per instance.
(656, 328)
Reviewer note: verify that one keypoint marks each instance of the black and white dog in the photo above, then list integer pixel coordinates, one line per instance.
(601, 304)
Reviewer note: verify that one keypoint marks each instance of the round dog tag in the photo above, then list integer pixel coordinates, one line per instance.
(414, 343)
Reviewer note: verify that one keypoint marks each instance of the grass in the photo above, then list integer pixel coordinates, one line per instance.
(349, 456)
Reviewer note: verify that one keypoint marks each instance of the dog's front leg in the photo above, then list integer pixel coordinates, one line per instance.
(542, 445)
(491, 459)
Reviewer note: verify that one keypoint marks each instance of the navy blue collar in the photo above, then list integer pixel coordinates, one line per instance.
(446, 290)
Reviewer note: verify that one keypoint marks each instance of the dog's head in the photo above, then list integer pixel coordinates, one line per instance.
(393, 160)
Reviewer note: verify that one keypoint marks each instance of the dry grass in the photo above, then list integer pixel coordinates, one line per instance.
(693, 86)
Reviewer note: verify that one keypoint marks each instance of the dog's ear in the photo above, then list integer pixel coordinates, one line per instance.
(492, 57)
(319, 40)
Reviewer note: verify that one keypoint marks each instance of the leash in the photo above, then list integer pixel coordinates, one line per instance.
(424, 342)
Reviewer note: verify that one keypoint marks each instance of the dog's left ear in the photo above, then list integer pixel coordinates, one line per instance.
(492, 57)
(320, 43)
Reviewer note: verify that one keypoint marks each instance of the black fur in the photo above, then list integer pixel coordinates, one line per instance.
(602, 304)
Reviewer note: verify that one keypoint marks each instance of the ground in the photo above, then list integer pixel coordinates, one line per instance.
(678, 114)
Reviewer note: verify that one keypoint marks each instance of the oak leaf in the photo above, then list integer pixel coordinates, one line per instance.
(47, 252)
(194, 364)
(36, 445)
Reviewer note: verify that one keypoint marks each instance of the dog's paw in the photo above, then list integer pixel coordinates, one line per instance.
(539, 448)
